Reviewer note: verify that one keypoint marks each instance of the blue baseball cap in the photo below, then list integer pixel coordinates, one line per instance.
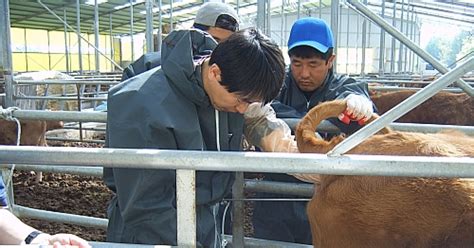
(311, 32)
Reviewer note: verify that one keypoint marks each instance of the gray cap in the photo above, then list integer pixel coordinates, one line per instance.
(209, 12)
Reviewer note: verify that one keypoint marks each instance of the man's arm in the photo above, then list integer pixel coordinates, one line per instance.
(15, 232)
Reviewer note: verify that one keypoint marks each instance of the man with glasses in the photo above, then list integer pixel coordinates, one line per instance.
(194, 101)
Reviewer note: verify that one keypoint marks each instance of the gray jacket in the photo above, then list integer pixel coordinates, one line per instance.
(167, 108)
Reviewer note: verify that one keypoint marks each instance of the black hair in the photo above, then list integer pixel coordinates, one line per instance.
(307, 52)
(224, 21)
(251, 65)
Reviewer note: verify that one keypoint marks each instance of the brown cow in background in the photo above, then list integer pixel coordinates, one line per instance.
(383, 211)
(443, 108)
(33, 133)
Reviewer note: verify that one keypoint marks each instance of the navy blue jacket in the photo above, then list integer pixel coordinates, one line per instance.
(292, 103)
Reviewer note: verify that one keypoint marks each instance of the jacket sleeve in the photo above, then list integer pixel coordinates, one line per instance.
(285, 111)
(287, 106)
(142, 64)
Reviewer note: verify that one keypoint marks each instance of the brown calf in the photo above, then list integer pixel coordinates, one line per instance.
(382, 211)
(33, 133)
(443, 108)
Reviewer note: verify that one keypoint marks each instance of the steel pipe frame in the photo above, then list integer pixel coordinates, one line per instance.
(403, 108)
(149, 25)
(65, 82)
(6, 53)
(34, 153)
(371, 165)
(78, 30)
(297, 189)
(356, 5)
(395, 88)
(96, 35)
(79, 37)
(76, 116)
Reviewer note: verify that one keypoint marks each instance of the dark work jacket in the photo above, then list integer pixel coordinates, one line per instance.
(289, 217)
(167, 108)
(144, 63)
(292, 103)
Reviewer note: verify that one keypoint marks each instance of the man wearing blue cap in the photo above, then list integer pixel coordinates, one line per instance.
(309, 80)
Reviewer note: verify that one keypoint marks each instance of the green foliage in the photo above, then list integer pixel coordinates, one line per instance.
(449, 50)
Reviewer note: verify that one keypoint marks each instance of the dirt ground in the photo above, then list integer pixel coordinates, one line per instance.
(65, 193)
(73, 194)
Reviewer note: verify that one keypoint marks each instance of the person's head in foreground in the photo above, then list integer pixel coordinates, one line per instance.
(247, 67)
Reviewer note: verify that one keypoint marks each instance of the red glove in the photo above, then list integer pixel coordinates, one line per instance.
(347, 118)
(359, 108)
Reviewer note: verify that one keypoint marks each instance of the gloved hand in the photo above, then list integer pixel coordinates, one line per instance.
(264, 130)
(359, 108)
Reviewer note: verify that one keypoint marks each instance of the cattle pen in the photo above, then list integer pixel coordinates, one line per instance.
(77, 95)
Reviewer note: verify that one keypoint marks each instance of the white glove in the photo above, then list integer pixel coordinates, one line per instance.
(264, 130)
(359, 108)
(271, 134)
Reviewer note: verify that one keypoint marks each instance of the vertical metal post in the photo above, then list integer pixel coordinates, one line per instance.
(412, 25)
(66, 47)
(393, 46)
(238, 7)
(186, 207)
(400, 51)
(149, 26)
(320, 10)
(408, 34)
(269, 18)
(357, 44)
(417, 42)
(347, 39)
(299, 9)
(96, 39)
(49, 49)
(78, 32)
(6, 53)
(282, 21)
(382, 44)
(96, 36)
(112, 51)
(364, 41)
(171, 16)
(405, 51)
(25, 41)
(238, 210)
(160, 20)
(131, 30)
(261, 15)
(89, 68)
(334, 27)
(410, 44)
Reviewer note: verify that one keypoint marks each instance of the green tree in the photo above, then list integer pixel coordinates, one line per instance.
(467, 48)
(455, 48)
(433, 47)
